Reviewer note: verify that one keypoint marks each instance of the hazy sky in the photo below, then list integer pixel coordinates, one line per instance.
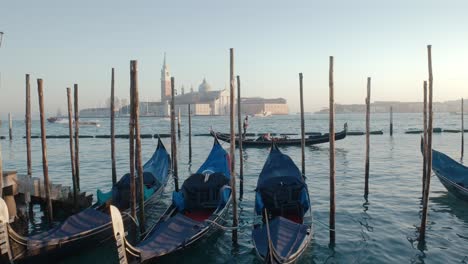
(66, 42)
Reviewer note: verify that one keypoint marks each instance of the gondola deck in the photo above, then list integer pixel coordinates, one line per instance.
(89, 227)
(281, 202)
(196, 210)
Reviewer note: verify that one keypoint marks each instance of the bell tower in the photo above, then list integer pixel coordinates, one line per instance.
(165, 82)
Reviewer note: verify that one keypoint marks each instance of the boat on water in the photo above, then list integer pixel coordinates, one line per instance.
(64, 121)
(281, 232)
(452, 174)
(196, 211)
(88, 228)
(281, 141)
(263, 114)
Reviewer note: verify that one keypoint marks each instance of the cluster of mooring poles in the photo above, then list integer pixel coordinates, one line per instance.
(136, 169)
(427, 146)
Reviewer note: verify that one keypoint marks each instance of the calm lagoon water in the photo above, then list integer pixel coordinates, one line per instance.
(380, 230)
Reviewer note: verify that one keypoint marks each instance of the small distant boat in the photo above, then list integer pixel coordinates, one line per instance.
(453, 175)
(196, 211)
(281, 202)
(263, 114)
(283, 141)
(89, 123)
(55, 119)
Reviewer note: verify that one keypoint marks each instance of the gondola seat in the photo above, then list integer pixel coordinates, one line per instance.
(283, 197)
(121, 190)
(202, 191)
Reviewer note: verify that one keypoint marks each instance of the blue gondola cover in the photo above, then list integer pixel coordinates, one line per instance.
(280, 170)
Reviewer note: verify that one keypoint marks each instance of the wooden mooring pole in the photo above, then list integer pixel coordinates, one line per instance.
(239, 132)
(28, 126)
(45, 164)
(190, 133)
(301, 98)
(462, 131)
(77, 137)
(424, 150)
(235, 219)
(131, 137)
(175, 171)
(10, 126)
(391, 120)
(112, 124)
(422, 230)
(366, 184)
(72, 149)
(331, 134)
(136, 106)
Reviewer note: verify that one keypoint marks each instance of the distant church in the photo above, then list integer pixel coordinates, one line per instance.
(206, 101)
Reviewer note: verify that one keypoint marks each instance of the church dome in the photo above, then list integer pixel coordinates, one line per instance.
(204, 87)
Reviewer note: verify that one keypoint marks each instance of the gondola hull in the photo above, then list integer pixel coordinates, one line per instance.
(281, 202)
(453, 188)
(312, 140)
(197, 210)
(453, 175)
(88, 228)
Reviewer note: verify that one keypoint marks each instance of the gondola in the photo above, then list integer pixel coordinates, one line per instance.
(87, 228)
(281, 232)
(196, 211)
(281, 141)
(453, 175)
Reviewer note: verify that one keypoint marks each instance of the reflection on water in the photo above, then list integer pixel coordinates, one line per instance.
(380, 230)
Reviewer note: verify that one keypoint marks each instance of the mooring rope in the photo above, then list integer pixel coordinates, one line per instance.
(325, 225)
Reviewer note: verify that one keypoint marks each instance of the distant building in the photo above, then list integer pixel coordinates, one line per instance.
(204, 102)
(258, 105)
(95, 112)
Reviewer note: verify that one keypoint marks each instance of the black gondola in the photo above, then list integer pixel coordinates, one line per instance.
(87, 228)
(281, 141)
(281, 203)
(196, 211)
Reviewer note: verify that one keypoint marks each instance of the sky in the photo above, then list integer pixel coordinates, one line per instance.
(67, 42)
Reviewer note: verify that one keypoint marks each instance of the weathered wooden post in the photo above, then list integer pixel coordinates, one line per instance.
(77, 138)
(190, 133)
(72, 150)
(391, 121)
(175, 171)
(178, 124)
(422, 231)
(45, 165)
(239, 132)
(462, 130)
(28, 125)
(10, 126)
(424, 139)
(131, 137)
(112, 124)
(366, 187)
(136, 106)
(332, 153)
(301, 97)
(232, 149)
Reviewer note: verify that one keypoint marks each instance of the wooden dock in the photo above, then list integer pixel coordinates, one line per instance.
(24, 189)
